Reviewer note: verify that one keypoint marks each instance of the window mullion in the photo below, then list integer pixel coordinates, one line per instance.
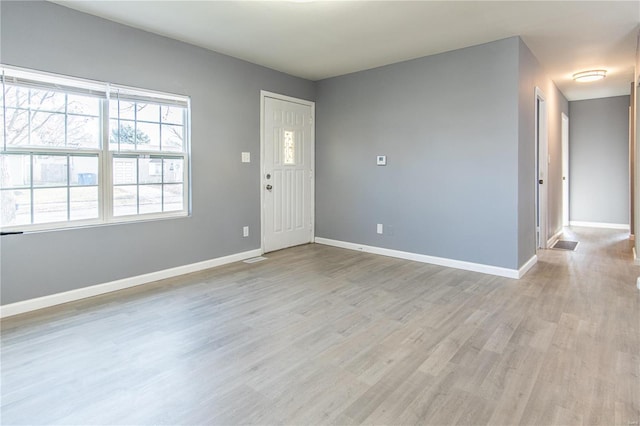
(118, 102)
(160, 127)
(105, 187)
(162, 183)
(68, 187)
(66, 145)
(186, 155)
(135, 126)
(137, 184)
(29, 117)
(4, 115)
(31, 186)
(66, 121)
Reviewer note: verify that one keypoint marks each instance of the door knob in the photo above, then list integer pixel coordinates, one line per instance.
(269, 187)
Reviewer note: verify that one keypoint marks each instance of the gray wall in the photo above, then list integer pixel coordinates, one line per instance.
(599, 160)
(448, 125)
(526, 154)
(225, 95)
(532, 76)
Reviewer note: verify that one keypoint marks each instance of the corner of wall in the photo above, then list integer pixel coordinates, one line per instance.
(527, 64)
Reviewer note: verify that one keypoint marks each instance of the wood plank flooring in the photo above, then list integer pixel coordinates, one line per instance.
(321, 335)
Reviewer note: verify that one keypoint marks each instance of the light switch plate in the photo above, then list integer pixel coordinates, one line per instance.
(381, 160)
(246, 157)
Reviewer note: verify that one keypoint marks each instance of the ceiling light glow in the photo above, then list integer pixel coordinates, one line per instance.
(589, 76)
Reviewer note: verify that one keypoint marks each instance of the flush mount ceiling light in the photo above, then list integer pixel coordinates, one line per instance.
(589, 76)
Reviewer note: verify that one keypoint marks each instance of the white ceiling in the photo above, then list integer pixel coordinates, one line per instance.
(320, 39)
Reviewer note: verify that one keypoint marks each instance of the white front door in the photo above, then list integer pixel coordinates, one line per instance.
(287, 171)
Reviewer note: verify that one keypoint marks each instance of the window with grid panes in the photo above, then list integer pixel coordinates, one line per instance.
(77, 152)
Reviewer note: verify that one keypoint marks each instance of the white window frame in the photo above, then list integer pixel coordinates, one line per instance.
(43, 80)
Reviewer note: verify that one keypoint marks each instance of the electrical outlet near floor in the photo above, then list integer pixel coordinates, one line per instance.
(245, 231)
(379, 228)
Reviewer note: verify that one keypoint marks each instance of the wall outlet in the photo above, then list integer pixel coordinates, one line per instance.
(246, 157)
(379, 228)
(245, 231)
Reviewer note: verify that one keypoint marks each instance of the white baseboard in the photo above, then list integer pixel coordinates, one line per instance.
(600, 225)
(528, 265)
(95, 290)
(441, 261)
(554, 239)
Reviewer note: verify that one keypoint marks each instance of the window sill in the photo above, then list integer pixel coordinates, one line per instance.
(49, 227)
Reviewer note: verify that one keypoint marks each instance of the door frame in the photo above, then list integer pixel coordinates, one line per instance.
(264, 94)
(565, 170)
(541, 167)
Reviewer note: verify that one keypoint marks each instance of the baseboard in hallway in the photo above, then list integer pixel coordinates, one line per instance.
(603, 225)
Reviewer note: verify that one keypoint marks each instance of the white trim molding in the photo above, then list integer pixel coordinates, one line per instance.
(527, 265)
(98, 289)
(441, 261)
(604, 225)
(554, 239)
(542, 160)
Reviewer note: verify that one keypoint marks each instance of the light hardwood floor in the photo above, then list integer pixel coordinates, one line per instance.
(321, 335)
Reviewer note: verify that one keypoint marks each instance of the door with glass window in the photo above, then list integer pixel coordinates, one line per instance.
(287, 172)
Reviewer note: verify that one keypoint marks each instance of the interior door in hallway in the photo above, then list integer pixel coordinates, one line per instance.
(542, 163)
(287, 172)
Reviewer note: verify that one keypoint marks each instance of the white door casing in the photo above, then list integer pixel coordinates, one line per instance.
(542, 162)
(565, 170)
(287, 164)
